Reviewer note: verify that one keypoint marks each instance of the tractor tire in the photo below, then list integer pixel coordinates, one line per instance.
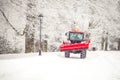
(67, 54)
(83, 54)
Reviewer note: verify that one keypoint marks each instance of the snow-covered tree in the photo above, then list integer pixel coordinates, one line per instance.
(100, 18)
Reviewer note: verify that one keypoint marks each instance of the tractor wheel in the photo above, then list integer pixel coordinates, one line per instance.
(67, 54)
(83, 54)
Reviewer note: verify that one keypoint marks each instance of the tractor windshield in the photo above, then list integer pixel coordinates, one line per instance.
(76, 36)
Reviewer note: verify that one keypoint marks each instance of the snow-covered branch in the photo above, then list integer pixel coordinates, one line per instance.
(5, 17)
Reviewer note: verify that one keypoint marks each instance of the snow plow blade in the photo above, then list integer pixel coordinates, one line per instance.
(76, 46)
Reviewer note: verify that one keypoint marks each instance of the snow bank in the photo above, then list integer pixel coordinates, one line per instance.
(98, 65)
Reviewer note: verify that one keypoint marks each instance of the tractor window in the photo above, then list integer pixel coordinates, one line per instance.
(76, 36)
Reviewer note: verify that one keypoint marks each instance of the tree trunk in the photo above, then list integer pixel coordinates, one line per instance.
(30, 31)
(102, 43)
(106, 44)
(44, 45)
(29, 42)
(118, 44)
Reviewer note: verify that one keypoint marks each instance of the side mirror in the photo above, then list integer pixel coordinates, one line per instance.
(88, 35)
(66, 34)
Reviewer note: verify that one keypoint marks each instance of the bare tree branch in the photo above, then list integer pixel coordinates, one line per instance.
(18, 33)
(17, 3)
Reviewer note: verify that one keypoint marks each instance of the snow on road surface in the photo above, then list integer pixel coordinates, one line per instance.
(98, 65)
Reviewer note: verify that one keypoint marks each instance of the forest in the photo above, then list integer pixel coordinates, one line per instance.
(20, 24)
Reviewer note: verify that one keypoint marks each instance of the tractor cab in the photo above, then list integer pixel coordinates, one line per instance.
(75, 37)
(77, 42)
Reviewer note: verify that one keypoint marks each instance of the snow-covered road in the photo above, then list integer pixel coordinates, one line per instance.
(98, 65)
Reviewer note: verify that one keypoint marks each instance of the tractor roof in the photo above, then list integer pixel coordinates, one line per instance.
(76, 31)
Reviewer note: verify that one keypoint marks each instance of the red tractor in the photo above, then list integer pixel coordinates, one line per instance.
(77, 43)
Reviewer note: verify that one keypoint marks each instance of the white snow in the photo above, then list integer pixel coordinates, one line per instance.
(98, 65)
